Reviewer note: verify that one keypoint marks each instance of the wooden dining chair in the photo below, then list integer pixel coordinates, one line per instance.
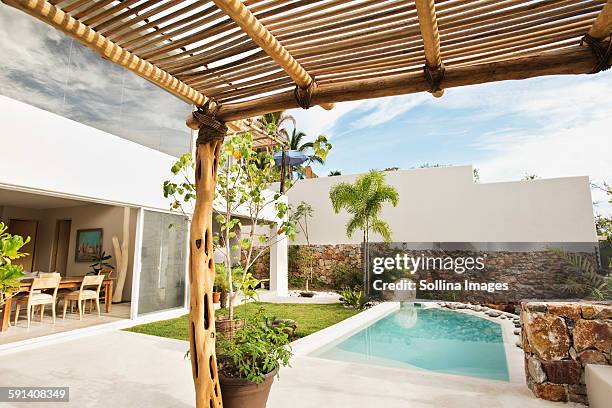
(82, 295)
(37, 298)
(108, 274)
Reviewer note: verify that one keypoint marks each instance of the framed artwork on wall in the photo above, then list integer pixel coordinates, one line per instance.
(88, 244)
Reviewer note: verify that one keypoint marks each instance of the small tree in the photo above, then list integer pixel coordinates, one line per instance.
(243, 179)
(299, 216)
(10, 274)
(364, 201)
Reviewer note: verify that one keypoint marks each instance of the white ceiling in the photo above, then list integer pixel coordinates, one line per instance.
(35, 201)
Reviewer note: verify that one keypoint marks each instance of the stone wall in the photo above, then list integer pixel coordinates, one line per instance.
(559, 339)
(326, 259)
(529, 275)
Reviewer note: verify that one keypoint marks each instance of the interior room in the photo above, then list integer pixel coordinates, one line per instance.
(72, 238)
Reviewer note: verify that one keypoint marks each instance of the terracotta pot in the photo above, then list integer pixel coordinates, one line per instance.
(241, 393)
(227, 327)
(216, 297)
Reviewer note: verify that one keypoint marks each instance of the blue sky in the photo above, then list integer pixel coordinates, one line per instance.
(552, 127)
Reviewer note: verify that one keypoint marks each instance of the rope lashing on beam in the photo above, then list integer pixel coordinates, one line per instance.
(209, 125)
(600, 50)
(303, 96)
(434, 77)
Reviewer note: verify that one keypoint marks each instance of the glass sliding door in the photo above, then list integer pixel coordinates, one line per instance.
(163, 262)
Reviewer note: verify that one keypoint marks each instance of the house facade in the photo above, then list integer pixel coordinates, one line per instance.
(83, 151)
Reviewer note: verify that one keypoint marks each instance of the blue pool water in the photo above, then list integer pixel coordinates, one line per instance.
(428, 338)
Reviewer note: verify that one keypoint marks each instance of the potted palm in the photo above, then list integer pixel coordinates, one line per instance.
(221, 285)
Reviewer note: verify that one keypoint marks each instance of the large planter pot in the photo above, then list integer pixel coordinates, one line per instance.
(216, 297)
(227, 327)
(241, 393)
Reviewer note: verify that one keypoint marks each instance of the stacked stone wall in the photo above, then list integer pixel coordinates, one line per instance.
(559, 339)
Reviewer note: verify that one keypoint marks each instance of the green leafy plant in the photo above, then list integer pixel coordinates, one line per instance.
(10, 274)
(100, 262)
(352, 298)
(585, 282)
(347, 276)
(257, 349)
(299, 216)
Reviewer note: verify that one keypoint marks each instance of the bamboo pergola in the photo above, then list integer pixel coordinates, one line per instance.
(262, 139)
(237, 59)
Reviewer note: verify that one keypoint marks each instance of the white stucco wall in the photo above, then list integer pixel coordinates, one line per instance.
(48, 153)
(445, 205)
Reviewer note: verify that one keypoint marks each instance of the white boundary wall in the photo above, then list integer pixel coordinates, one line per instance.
(443, 204)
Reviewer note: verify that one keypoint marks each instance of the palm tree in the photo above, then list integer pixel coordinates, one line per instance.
(364, 200)
(335, 173)
(274, 122)
(295, 144)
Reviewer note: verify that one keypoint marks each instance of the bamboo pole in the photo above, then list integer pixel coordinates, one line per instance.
(602, 26)
(238, 12)
(46, 12)
(575, 60)
(426, 10)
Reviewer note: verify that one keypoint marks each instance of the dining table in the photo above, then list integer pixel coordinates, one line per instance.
(67, 282)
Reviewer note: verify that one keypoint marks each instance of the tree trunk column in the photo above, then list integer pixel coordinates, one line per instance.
(201, 263)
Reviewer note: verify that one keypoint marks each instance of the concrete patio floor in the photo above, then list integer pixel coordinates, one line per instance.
(122, 369)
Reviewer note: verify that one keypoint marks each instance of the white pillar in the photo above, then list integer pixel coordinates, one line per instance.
(279, 266)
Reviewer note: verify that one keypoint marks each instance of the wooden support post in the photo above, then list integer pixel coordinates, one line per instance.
(201, 261)
(428, 23)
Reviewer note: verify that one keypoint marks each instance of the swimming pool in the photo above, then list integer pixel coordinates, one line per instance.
(433, 339)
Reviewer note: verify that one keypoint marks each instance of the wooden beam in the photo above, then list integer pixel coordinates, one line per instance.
(55, 17)
(261, 36)
(575, 60)
(428, 23)
(602, 26)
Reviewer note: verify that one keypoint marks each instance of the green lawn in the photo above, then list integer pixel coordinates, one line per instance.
(310, 318)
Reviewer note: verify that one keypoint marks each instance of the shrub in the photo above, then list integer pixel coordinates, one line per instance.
(352, 298)
(347, 276)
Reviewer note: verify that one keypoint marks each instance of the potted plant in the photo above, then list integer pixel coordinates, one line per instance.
(221, 284)
(10, 274)
(99, 263)
(249, 361)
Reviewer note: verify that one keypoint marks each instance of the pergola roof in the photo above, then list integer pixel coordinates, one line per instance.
(256, 56)
(261, 137)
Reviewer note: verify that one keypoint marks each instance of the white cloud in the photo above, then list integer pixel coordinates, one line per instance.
(316, 120)
(380, 111)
